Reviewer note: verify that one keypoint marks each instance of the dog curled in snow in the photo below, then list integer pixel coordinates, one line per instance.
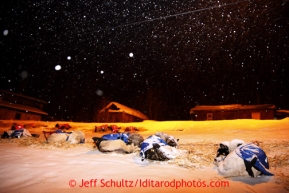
(245, 160)
(119, 142)
(118, 146)
(73, 137)
(169, 139)
(135, 139)
(160, 146)
(227, 147)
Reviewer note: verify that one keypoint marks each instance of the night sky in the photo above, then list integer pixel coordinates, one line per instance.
(160, 57)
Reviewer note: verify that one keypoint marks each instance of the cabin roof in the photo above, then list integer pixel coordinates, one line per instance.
(22, 96)
(230, 107)
(282, 111)
(22, 107)
(115, 107)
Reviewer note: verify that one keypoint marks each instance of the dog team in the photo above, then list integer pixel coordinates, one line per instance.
(234, 158)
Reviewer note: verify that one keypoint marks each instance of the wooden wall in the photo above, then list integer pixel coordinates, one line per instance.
(262, 114)
(117, 117)
(9, 114)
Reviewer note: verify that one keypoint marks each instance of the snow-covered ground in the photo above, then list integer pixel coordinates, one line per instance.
(30, 165)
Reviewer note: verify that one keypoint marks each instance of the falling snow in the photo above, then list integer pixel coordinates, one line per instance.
(159, 57)
(5, 32)
(57, 67)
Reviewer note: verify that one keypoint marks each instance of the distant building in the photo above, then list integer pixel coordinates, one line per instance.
(234, 111)
(281, 114)
(19, 107)
(116, 112)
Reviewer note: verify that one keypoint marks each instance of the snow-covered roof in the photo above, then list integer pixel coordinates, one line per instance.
(230, 107)
(123, 108)
(283, 111)
(22, 107)
(263, 106)
(216, 107)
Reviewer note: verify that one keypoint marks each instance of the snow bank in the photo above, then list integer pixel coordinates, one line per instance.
(82, 168)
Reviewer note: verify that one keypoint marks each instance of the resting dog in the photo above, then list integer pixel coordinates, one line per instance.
(227, 147)
(160, 146)
(244, 160)
(74, 137)
(169, 139)
(118, 146)
(16, 131)
(118, 142)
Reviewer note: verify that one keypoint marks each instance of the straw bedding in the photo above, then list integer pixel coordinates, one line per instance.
(200, 154)
(42, 144)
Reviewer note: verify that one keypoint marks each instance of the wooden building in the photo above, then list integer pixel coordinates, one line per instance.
(19, 107)
(281, 114)
(234, 111)
(116, 112)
